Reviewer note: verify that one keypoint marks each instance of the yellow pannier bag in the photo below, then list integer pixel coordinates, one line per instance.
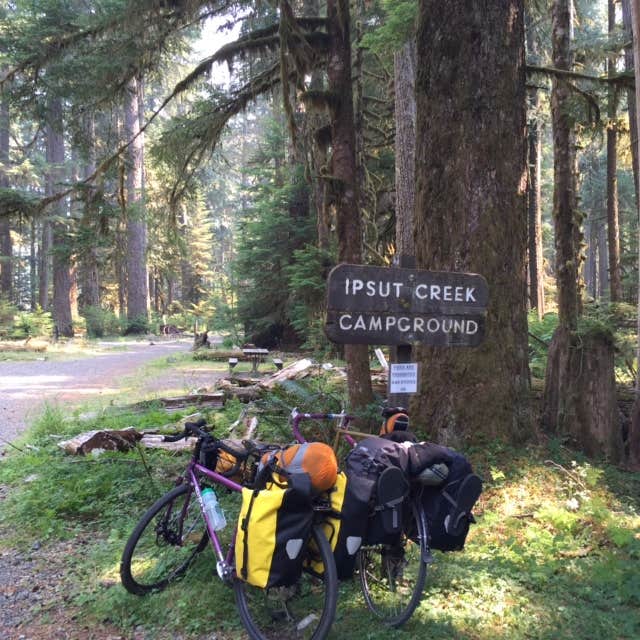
(274, 527)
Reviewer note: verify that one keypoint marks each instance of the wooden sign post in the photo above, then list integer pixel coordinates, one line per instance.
(403, 307)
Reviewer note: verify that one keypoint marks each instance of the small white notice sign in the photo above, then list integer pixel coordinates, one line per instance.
(403, 377)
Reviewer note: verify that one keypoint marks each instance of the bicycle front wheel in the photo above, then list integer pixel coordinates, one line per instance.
(392, 577)
(303, 611)
(164, 542)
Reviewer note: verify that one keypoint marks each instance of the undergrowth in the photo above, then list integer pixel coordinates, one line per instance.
(554, 554)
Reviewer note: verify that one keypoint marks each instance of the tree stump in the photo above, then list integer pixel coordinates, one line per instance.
(580, 393)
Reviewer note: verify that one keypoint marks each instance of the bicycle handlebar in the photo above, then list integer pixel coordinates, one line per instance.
(190, 428)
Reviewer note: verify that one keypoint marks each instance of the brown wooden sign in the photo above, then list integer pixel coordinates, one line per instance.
(390, 305)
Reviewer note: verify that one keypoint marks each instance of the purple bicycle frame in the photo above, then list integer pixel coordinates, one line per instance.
(218, 479)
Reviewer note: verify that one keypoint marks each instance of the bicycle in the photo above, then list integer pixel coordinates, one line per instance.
(176, 528)
(392, 577)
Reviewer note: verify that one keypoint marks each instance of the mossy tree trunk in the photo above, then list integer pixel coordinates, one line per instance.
(634, 431)
(343, 172)
(579, 397)
(471, 197)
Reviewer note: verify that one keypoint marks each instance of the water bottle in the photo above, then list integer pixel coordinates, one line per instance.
(213, 509)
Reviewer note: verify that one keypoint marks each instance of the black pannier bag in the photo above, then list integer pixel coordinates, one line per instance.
(346, 527)
(379, 468)
(448, 505)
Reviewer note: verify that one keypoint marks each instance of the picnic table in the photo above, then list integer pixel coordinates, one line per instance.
(256, 356)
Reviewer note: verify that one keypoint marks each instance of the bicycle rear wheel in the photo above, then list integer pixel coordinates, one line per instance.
(303, 611)
(164, 542)
(392, 577)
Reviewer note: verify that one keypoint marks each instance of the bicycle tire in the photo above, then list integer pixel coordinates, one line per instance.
(164, 542)
(392, 577)
(304, 611)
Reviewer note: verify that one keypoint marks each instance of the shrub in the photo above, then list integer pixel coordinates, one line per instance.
(101, 322)
(31, 324)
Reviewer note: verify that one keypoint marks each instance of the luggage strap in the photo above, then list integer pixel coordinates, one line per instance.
(245, 528)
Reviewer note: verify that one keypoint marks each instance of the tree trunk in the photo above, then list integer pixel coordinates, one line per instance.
(471, 195)
(62, 280)
(404, 64)
(591, 262)
(633, 439)
(343, 166)
(585, 396)
(613, 225)
(44, 264)
(534, 199)
(89, 263)
(578, 362)
(631, 96)
(33, 264)
(603, 262)
(137, 283)
(6, 248)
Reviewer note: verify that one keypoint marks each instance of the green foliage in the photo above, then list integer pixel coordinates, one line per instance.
(396, 27)
(276, 224)
(540, 334)
(28, 324)
(135, 326)
(307, 276)
(101, 322)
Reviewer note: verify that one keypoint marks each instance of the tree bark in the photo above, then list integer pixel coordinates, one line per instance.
(534, 199)
(591, 262)
(603, 262)
(633, 440)
(404, 64)
(137, 282)
(470, 196)
(577, 361)
(631, 96)
(613, 224)
(62, 280)
(6, 247)
(89, 264)
(343, 170)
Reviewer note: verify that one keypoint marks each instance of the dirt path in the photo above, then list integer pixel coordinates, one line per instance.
(25, 386)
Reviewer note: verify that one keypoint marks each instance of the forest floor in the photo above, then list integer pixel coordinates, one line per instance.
(34, 599)
(553, 556)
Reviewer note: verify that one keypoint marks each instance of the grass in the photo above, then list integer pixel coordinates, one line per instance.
(554, 554)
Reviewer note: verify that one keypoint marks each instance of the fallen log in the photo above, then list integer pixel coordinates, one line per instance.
(214, 399)
(156, 441)
(244, 394)
(295, 371)
(107, 440)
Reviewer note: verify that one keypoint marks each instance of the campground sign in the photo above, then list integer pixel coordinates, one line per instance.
(391, 305)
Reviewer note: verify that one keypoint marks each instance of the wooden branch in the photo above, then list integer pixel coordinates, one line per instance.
(564, 73)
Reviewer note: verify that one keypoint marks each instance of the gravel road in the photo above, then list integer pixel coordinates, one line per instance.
(34, 604)
(25, 386)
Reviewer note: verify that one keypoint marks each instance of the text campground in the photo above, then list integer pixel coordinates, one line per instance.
(406, 324)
